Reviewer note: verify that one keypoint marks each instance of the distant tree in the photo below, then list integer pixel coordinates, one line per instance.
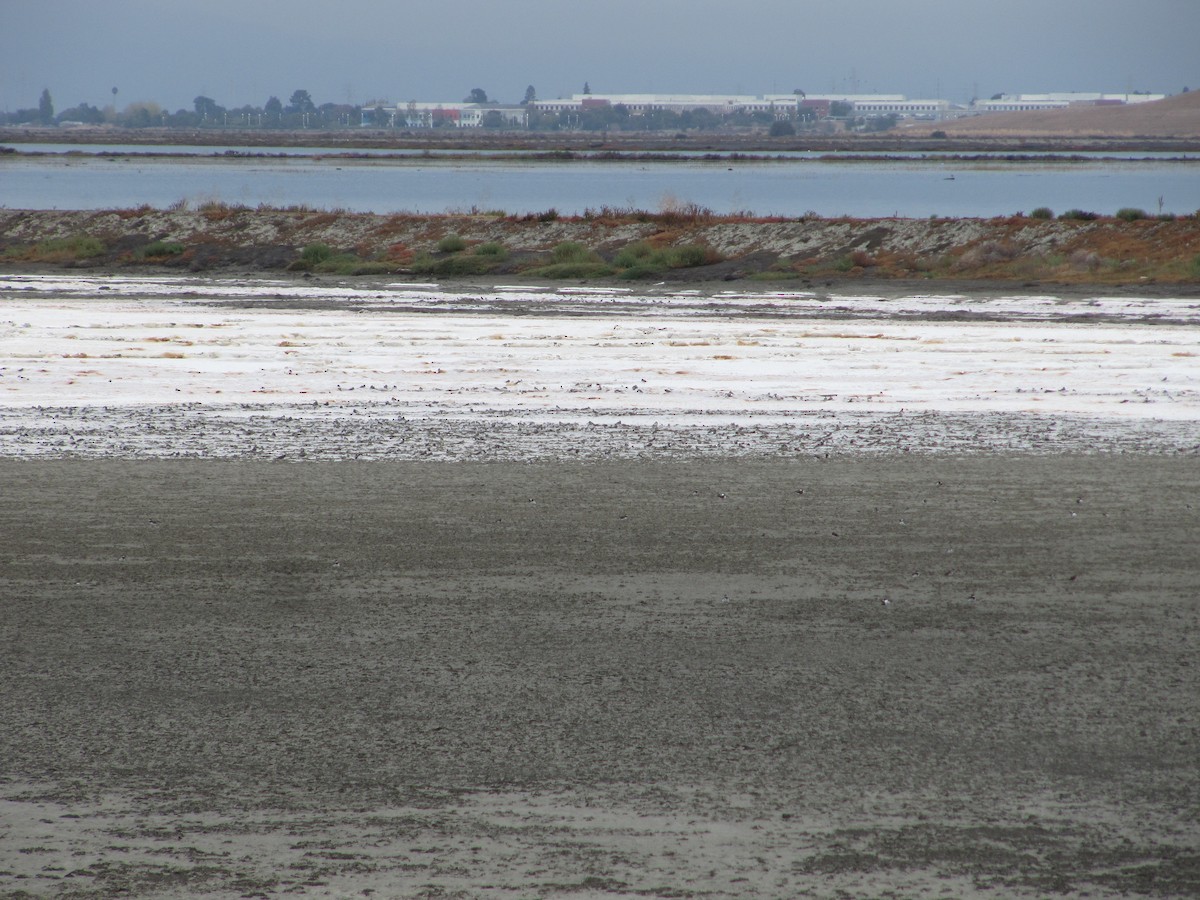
(799, 93)
(839, 109)
(207, 108)
(301, 102)
(881, 123)
(46, 108)
(782, 129)
(493, 119)
(89, 115)
(477, 95)
(273, 108)
(531, 95)
(587, 88)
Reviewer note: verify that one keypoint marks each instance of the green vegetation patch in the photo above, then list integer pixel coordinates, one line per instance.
(324, 259)
(492, 250)
(451, 243)
(160, 250)
(454, 266)
(573, 252)
(69, 249)
(314, 254)
(1130, 214)
(574, 270)
(642, 260)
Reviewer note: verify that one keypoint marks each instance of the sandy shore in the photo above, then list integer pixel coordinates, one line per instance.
(601, 679)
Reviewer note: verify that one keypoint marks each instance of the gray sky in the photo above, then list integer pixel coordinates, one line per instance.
(243, 51)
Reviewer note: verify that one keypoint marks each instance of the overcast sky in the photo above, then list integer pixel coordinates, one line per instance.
(244, 51)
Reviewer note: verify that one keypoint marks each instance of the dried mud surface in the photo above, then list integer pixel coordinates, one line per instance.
(612, 678)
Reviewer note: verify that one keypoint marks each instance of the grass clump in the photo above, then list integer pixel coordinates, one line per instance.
(451, 243)
(1042, 212)
(1079, 215)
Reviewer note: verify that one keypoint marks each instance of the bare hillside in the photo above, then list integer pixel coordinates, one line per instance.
(1177, 117)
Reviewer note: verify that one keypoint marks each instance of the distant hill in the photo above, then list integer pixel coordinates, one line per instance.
(1177, 116)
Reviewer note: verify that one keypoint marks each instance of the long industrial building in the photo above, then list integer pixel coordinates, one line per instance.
(420, 114)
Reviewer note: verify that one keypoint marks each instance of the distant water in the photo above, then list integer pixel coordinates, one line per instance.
(912, 188)
(320, 150)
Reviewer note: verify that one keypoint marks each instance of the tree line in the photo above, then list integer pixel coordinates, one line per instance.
(299, 112)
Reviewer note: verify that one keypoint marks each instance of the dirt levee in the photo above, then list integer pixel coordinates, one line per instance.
(769, 678)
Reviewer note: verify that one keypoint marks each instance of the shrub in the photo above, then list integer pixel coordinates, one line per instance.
(549, 215)
(1130, 214)
(1042, 212)
(1079, 215)
(314, 254)
(451, 243)
(1194, 268)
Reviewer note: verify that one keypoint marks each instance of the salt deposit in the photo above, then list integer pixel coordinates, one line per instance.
(106, 350)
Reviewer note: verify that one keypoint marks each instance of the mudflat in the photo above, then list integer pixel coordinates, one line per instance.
(881, 676)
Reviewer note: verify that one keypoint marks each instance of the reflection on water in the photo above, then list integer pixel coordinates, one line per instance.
(912, 188)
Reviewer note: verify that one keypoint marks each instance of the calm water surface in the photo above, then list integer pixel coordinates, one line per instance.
(917, 188)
